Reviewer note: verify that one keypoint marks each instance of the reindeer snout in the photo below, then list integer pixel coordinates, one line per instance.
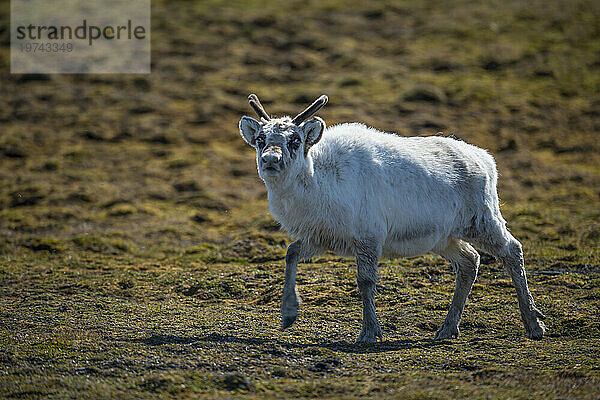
(271, 158)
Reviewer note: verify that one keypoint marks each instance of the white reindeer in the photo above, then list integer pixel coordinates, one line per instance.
(360, 192)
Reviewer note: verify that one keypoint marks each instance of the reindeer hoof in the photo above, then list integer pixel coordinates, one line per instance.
(447, 332)
(370, 336)
(536, 330)
(287, 321)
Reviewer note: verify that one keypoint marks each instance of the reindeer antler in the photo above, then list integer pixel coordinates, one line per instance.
(258, 108)
(313, 108)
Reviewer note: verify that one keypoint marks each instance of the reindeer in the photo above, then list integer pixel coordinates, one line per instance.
(359, 192)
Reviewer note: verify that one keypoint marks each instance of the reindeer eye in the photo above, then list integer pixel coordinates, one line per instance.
(296, 142)
(260, 141)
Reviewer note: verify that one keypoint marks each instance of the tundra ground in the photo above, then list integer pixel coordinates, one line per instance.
(138, 258)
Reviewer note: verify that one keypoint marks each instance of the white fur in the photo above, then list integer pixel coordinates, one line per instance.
(360, 192)
(409, 193)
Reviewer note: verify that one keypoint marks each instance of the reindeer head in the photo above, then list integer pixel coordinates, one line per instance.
(282, 144)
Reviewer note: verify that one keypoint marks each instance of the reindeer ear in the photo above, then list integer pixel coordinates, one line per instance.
(313, 130)
(249, 128)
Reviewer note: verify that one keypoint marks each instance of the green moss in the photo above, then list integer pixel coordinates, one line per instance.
(106, 244)
(210, 253)
(52, 348)
(44, 244)
(120, 210)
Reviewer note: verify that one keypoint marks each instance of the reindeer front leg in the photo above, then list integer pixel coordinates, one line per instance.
(367, 255)
(290, 300)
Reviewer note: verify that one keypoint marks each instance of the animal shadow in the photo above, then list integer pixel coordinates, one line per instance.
(341, 346)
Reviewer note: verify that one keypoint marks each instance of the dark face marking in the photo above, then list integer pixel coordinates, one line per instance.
(281, 133)
(294, 143)
(279, 144)
(261, 141)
